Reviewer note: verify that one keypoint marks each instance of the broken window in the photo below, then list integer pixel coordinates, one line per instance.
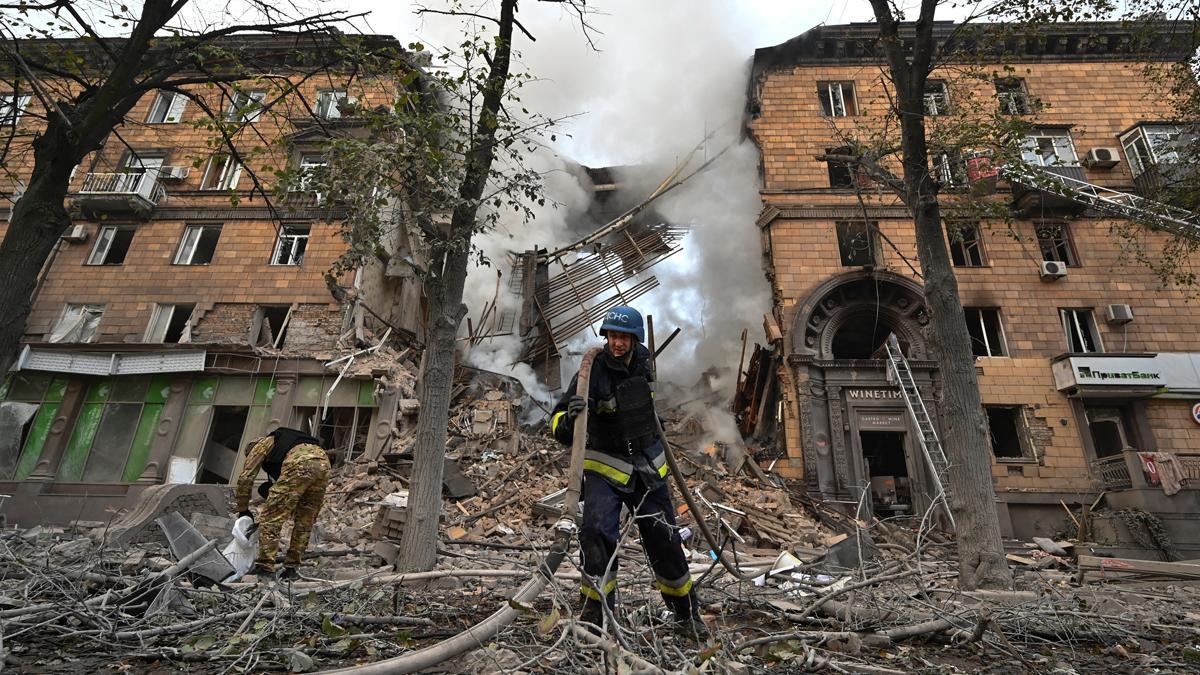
(167, 108)
(311, 165)
(937, 98)
(330, 103)
(858, 242)
(1111, 429)
(170, 323)
(949, 169)
(113, 430)
(966, 246)
(112, 245)
(16, 422)
(245, 106)
(1049, 147)
(77, 324)
(1013, 98)
(289, 248)
(1055, 242)
(21, 436)
(987, 335)
(272, 325)
(841, 174)
(12, 107)
(1080, 328)
(344, 431)
(1006, 428)
(199, 245)
(837, 99)
(1150, 145)
(222, 173)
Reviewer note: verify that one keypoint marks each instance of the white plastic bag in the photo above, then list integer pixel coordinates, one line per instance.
(242, 550)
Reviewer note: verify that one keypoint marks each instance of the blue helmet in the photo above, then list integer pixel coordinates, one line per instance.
(624, 319)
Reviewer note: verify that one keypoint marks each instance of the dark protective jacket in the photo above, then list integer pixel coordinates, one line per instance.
(285, 439)
(622, 438)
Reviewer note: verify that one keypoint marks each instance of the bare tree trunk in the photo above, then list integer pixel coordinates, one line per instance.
(982, 563)
(418, 546)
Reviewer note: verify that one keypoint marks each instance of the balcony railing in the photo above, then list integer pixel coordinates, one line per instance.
(120, 192)
(1113, 472)
(1190, 463)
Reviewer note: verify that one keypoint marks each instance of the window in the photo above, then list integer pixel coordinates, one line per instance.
(222, 173)
(167, 108)
(170, 323)
(1014, 100)
(966, 247)
(198, 245)
(949, 169)
(1080, 328)
(1006, 428)
(1111, 428)
(858, 242)
(1149, 145)
(841, 174)
(78, 323)
(112, 245)
(837, 99)
(12, 107)
(987, 335)
(289, 249)
(114, 430)
(1049, 147)
(937, 98)
(29, 404)
(245, 106)
(272, 322)
(329, 103)
(311, 164)
(1055, 242)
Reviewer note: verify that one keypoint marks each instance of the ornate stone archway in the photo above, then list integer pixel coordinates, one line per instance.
(892, 303)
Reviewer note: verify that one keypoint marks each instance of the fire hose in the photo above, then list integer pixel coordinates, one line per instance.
(565, 531)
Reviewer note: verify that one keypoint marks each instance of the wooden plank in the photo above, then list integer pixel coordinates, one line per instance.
(1125, 567)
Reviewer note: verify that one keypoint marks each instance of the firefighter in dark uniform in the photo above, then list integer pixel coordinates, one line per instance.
(626, 465)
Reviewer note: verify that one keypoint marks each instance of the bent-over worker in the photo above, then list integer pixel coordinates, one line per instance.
(297, 470)
(626, 465)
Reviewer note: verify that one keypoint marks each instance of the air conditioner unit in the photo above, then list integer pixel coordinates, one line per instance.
(1053, 269)
(174, 172)
(1102, 158)
(1120, 314)
(76, 234)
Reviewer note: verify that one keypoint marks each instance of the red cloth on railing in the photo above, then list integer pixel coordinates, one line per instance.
(1165, 469)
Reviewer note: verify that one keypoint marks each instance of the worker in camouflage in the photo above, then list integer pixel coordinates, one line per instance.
(297, 470)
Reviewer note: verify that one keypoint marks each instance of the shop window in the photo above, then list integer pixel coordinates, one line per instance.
(29, 403)
(1054, 240)
(966, 246)
(1111, 429)
(116, 424)
(78, 323)
(987, 335)
(837, 99)
(199, 245)
(1008, 432)
(1080, 327)
(858, 243)
(112, 245)
(167, 108)
(343, 431)
(170, 324)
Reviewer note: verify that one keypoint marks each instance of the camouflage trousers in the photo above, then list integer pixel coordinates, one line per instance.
(297, 495)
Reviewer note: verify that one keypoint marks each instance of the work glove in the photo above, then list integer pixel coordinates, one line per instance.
(575, 405)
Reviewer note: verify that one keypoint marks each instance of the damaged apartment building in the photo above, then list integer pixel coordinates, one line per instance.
(186, 312)
(1089, 370)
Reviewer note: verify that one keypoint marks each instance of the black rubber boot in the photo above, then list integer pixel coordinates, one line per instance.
(688, 624)
(593, 612)
(289, 574)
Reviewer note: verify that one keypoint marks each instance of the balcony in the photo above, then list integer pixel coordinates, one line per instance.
(1159, 181)
(119, 193)
(1112, 472)
(1036, 192)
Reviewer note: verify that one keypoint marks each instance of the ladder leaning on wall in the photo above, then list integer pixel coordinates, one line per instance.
(931, 446)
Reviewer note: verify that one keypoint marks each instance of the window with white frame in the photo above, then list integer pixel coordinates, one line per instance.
(222, 173)
(1049, 147)
(199, 245)
(1013, 97)
(78, 323)
(167, 108)
(329, 103)
(966, 246)
(937, 97)
(949, 168)
(112, 245)
(1150, 145)
(1080, 327)
(289, 248)
(987, 334)
(170, 323)
(311, 165)
(245, 106)
(12, 106)
(1054, 241)
(837, 99)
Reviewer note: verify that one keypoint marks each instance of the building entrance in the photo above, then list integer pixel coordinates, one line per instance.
(885, 455)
